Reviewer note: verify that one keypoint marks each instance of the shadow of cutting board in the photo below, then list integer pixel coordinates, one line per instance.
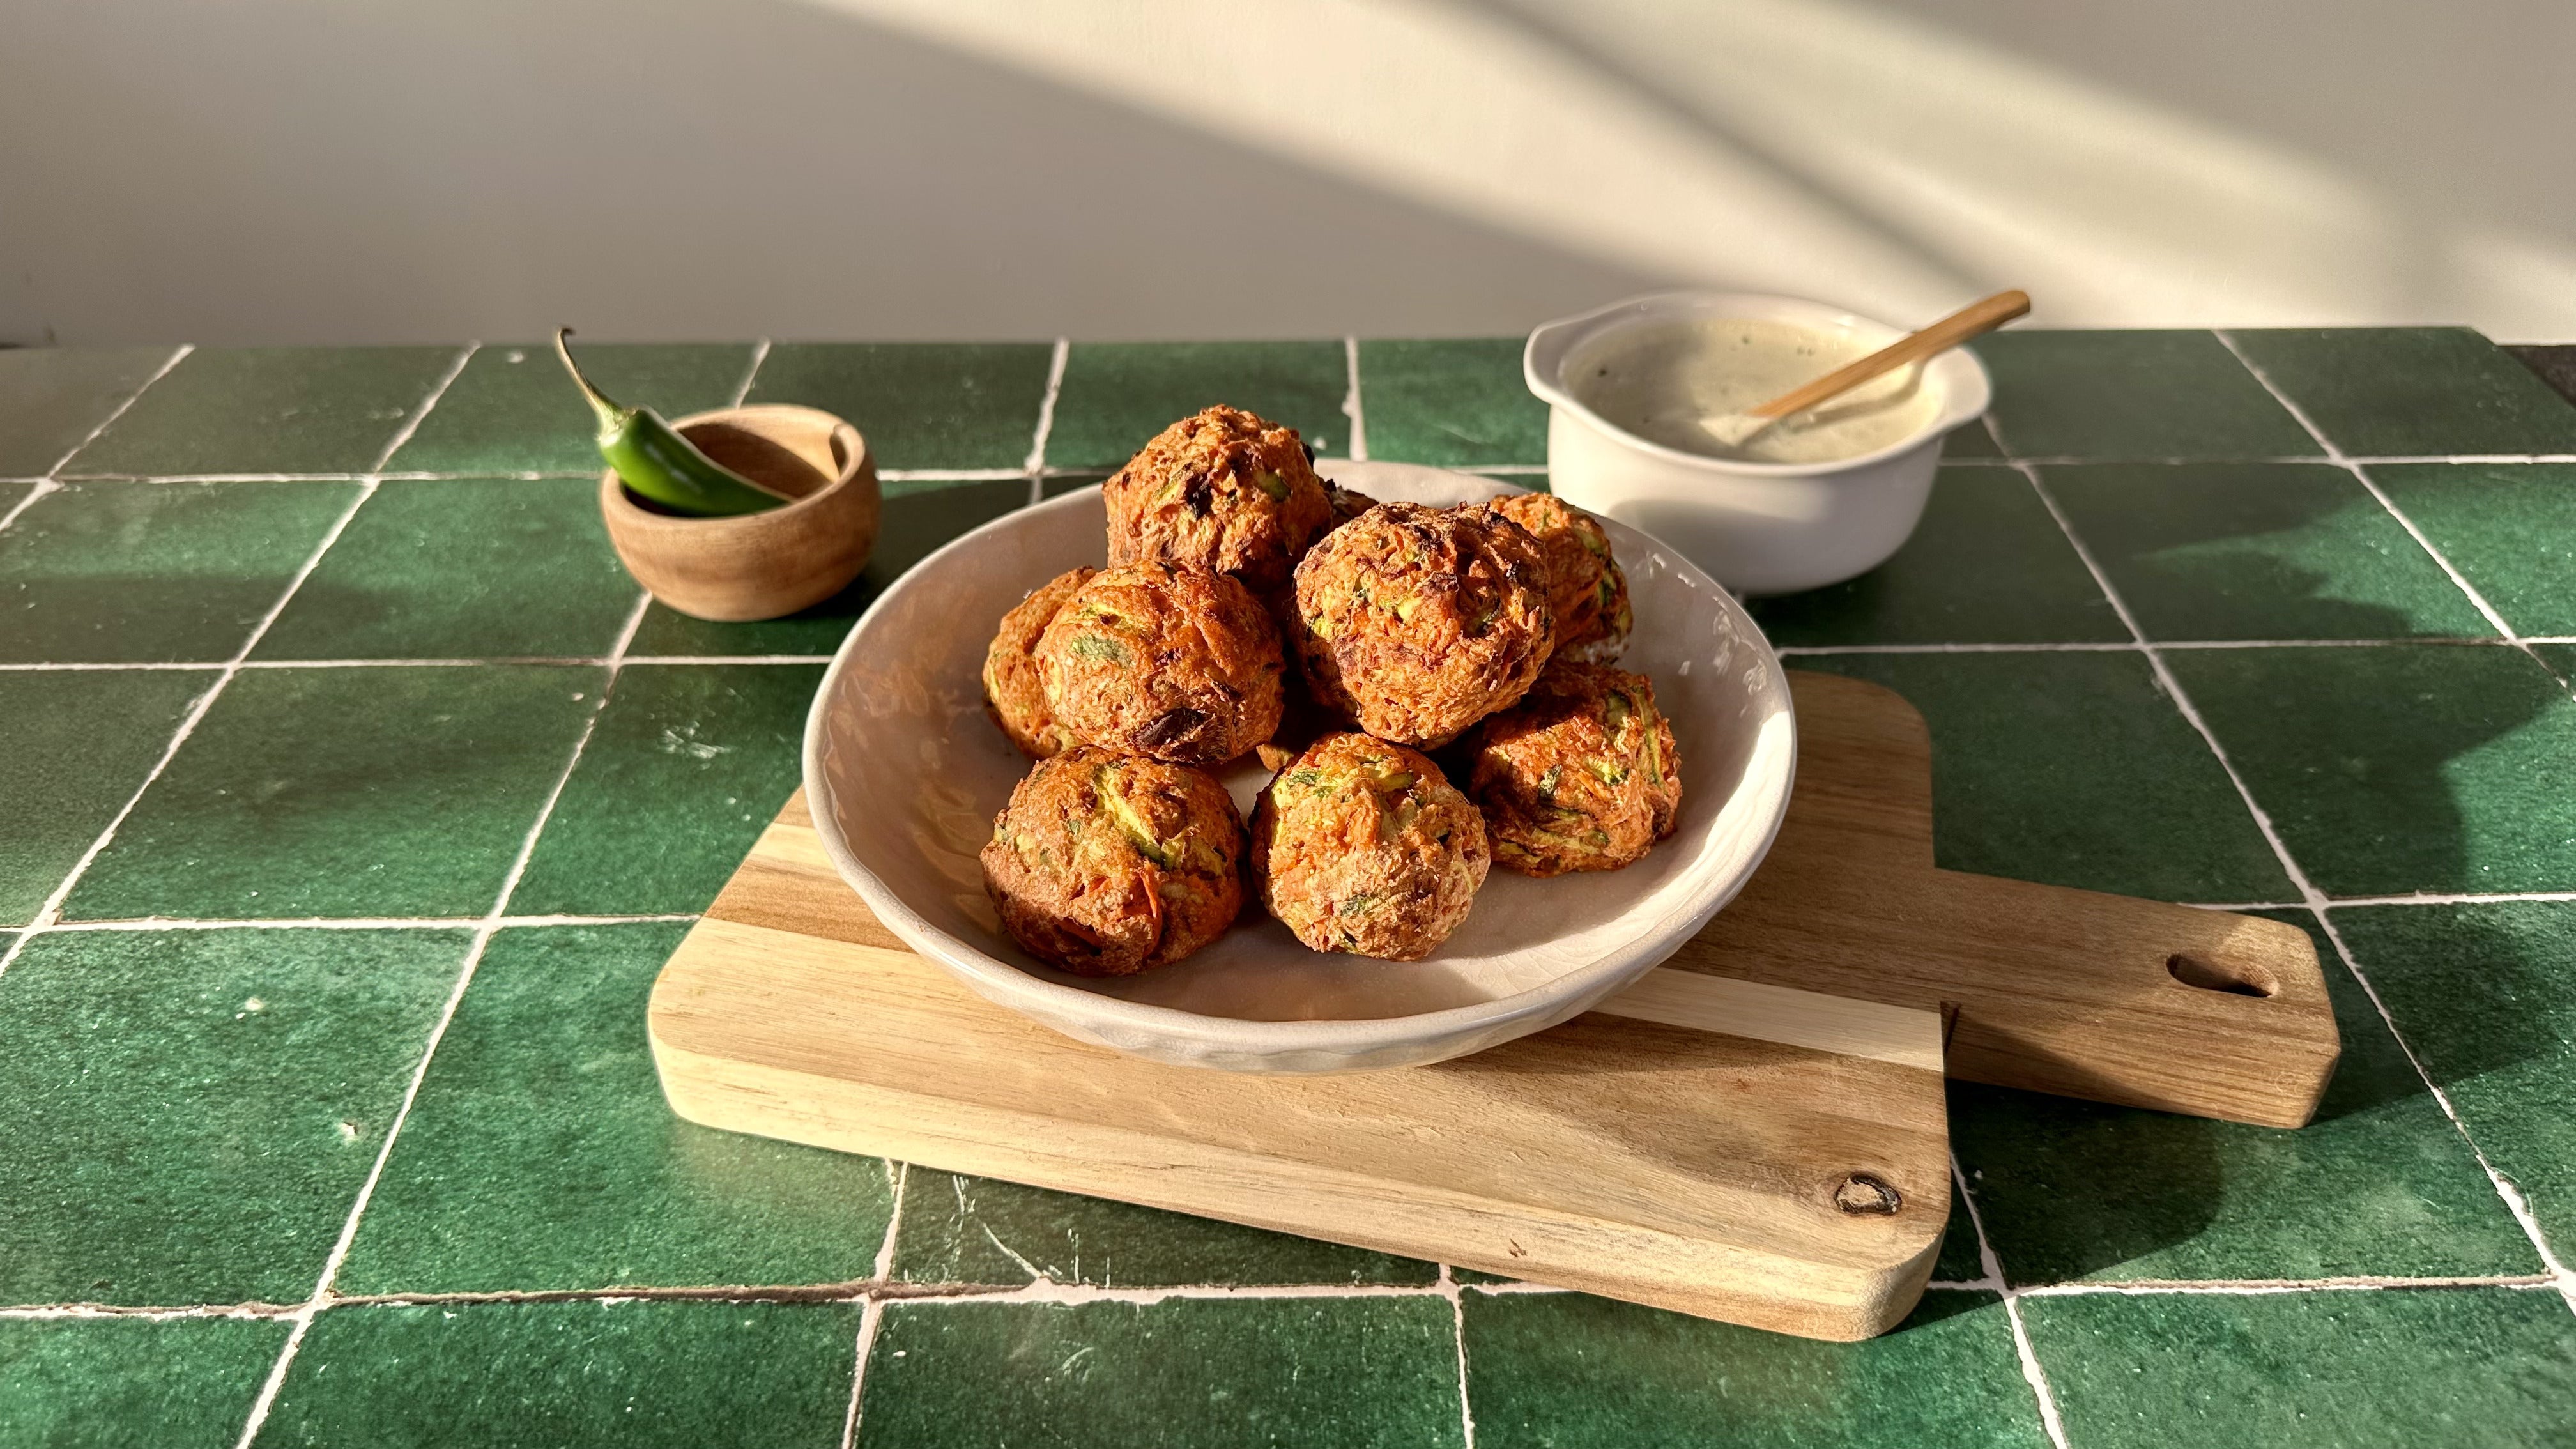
(1753, 1132)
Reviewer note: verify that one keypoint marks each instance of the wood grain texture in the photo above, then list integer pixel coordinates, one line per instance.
(1626, 1153)
(1665, 1165)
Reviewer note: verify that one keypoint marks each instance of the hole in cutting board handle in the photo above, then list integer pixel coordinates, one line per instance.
(2231, 977)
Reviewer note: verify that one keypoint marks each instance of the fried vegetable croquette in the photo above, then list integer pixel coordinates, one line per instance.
(1012, 690)
(1107, 865)
(1365, 847)
(1586, 589)
(1418, 622)
(1223, 490)
(1163, 659)
(1580, 775)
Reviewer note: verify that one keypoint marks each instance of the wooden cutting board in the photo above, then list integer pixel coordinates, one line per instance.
(1754, 1132)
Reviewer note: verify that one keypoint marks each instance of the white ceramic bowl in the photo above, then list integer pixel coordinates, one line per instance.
(1760, 528)
(905, 773)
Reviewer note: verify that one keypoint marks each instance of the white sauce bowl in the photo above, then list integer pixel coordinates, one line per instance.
(1760, 528)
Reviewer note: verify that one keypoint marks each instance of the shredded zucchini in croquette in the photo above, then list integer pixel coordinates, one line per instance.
(1106, 865)
(1417, 622)
(1363, 846)
(1168, 660)
(1222, 489)
(1586, 587)
(1582, 774)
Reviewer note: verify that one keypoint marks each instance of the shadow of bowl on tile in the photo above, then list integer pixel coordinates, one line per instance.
(917, 519)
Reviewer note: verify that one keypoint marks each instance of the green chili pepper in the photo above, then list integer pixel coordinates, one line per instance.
(654, 461)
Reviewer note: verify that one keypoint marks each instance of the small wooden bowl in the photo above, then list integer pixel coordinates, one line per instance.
(757, 565)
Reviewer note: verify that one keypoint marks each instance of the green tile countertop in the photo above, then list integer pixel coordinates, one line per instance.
(351, 797)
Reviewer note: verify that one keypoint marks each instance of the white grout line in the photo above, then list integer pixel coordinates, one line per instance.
(1507, 469)
(871, 1314)
(1197, 1292)
(1359, 429)
(759, 355)
(158, 373)
(2315, 899)
(474, 951)
(950, 475)
(2131, 646)
(355, 923)
(1035, 466)
(1994, 1278)
(898, 1174)
(39, 488)
(2495, 620)
(2264, 1288)
(1448, 1287)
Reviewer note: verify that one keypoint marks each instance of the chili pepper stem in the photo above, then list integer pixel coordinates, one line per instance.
(611, 416)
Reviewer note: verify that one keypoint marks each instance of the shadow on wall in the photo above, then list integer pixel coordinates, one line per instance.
(295, 170)
(299, 171)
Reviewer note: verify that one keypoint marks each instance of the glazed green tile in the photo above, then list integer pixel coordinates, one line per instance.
(2073, 769)
(2561, 659)
(1960, 1260)
(2380, 1184)
(53, 397)
(513, 410)
(74, 747)
(919, 404)
(974, 1230)
(118, 572)
(1349, 1373)
(132, 1383)
(1974, 440)
(1986, 565)
(1570, 1371)
(540, 1154)
(2510, 529)
(1117, 395)
(371, 792)
(2133, 395)
(463, 568)
(688, 765)
(578, 1375)
(1455, 402)
(2413, 391)
(2400, 767)
(1058, 487)
(920, 516)
(2486, 995)
(269, 410)
(208, 1103)
(2258, 551)
(2492, 1367)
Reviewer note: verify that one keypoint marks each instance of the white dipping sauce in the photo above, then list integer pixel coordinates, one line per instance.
(1666, 380)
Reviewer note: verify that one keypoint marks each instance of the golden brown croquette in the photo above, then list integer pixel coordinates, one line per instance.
(1169, 660)
(1107, 865)
(1012, 690)
(1223, 490)
(1364, 847)
(1587, 590)
(1417, 622)
(1580, 775)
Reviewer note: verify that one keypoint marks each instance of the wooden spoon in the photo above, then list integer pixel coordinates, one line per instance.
(1974, 320)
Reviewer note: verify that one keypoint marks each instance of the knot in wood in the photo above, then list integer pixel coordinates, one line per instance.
(1865, 1196)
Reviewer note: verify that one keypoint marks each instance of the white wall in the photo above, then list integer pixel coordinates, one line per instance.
(343, 170)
